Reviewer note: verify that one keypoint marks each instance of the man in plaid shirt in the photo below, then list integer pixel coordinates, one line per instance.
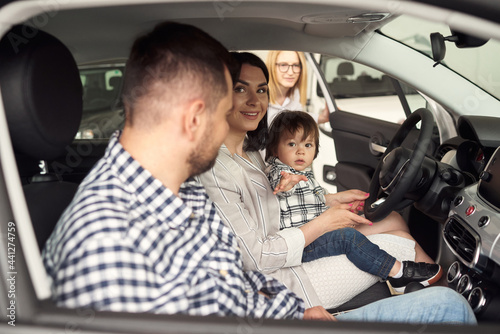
(138, 237)
(130, 244)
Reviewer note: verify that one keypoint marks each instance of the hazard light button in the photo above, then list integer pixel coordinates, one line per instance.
(470, 210)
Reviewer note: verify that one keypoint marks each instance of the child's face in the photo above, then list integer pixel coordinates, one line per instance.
(295, 152)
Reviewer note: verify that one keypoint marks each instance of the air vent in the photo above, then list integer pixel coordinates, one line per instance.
(462, 241)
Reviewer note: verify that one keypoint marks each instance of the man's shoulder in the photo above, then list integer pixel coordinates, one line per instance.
(91, 215)
(104, 193)
(101, 191)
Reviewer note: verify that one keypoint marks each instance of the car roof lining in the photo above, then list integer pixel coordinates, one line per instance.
(85, 30)
(84, 26)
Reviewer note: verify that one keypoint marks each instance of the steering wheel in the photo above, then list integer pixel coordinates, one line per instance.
(398, 169)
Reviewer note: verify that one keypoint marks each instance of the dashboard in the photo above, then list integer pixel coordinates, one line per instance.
(472, 230)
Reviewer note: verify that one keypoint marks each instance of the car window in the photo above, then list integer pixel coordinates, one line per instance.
(366, 91)
(102, 110)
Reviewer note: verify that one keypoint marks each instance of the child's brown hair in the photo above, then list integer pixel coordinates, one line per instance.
(291, 122)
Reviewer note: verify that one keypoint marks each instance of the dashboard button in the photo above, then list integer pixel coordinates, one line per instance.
(454, 272)
(483, 221)
(477, 299)
(464, 284)
(470, 210)
(458, 200)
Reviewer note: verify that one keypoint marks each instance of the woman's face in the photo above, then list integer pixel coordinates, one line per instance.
(250, 99)
(289, 62)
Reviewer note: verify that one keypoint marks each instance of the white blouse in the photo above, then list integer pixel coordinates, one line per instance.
(292, 104)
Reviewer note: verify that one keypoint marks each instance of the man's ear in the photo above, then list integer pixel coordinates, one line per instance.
(195, 118)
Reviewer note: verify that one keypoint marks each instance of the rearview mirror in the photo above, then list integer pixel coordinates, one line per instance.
(438, 47)
(461, 41)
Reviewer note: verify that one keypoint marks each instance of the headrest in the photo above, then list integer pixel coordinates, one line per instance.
(41, 92)
(115, 82)
(345, 68)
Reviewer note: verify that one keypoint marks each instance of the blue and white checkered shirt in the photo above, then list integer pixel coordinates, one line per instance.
(127, 243)
(301, 204)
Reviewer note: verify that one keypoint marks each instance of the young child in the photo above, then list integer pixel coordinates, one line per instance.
(292, 147)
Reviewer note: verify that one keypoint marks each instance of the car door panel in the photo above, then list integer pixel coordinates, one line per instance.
(353, 135)
(353, 176)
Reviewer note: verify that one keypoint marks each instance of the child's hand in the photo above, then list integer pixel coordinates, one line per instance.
(288, 181)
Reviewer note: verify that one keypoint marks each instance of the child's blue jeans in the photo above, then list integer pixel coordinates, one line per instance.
(359, 250)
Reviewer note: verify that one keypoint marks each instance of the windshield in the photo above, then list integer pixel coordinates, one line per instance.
(479, 65)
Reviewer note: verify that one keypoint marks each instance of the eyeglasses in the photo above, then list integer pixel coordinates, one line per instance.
(284, 67)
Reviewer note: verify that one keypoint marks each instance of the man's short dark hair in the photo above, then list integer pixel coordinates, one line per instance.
(290, 122)
(180, 56)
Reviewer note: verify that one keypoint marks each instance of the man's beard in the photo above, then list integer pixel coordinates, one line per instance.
(203, 157)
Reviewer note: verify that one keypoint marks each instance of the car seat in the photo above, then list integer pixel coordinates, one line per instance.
(343, 70)
(115, 83)
(342, 86)
(42, 96)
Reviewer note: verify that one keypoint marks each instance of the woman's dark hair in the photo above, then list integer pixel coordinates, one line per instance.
(291, 122)
(256, 139)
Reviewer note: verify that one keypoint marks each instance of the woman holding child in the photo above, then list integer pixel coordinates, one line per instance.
(245, 201)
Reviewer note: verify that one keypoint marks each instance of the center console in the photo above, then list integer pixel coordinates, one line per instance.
(472, 232)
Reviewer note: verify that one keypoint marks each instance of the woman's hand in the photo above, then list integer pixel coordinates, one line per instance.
(341, 216)
(324, 115)
(332, 219)
(288, 181)
(356, 199)
(318, 313)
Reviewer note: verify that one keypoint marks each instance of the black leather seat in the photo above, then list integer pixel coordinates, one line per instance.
(42, 95)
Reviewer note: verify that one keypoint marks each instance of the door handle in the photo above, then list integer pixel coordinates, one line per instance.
(376, 144)
(377, 148)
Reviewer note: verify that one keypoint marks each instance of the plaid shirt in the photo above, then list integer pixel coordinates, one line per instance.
(127, 243)
(304, 202)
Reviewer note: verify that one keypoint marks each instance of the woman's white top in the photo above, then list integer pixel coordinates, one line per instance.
(292, 104)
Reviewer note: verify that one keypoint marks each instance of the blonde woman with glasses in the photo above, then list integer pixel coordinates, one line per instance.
(288, 84)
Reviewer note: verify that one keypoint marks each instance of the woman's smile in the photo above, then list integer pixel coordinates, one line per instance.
(250, 114)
